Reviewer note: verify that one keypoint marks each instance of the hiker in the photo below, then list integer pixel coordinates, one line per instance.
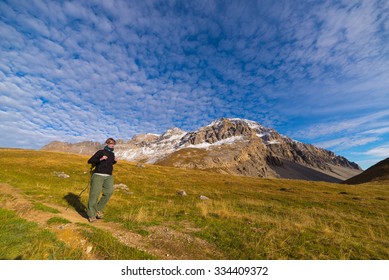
(101, 180)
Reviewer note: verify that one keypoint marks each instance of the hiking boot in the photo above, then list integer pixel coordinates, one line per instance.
(99, 215)
(92, 219)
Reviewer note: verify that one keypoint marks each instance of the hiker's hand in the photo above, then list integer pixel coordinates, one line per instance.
(103, 158)
(116, 159)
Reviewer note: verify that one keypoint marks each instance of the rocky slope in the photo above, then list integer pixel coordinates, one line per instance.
(233, 146)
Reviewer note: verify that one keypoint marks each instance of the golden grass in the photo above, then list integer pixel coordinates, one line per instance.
(245, 218)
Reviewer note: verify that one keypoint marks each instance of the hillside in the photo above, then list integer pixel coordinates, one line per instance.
(376, 173)
(221, 217)
(229, 146)
(85, 148)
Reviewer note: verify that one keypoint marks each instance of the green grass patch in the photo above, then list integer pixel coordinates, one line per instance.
(142, 232)
(44, 208)
(109, 247)
(58, 221)
(23, 240)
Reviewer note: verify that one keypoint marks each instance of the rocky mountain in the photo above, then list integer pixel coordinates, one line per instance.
(150, 148)
(86, 147)
(244, 147)
(376, 173)
(233, 146)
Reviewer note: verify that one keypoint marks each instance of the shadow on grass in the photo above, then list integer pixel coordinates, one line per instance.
(17, 258)
(74, 201)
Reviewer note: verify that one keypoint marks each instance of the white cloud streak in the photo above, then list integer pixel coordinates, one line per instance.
(380, 152)
(379, 131)
(351, 125)
(346, 143)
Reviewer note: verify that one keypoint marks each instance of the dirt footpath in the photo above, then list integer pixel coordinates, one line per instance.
(162, 242)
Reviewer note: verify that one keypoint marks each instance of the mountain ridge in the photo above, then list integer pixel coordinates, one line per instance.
(233, 146)
(379, 172)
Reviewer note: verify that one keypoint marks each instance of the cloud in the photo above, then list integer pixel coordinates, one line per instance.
(351, 125)
(346, 143)
(379, 131)
(380, 152)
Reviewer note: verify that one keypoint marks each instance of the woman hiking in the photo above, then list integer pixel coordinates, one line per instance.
(101, 180)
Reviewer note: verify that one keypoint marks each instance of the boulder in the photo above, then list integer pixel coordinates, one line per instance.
(182, 193)
(61, 174)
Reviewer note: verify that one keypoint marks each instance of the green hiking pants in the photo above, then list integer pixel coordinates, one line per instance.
(99, 184)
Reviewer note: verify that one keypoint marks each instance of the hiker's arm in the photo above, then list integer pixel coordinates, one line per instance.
(96, 157)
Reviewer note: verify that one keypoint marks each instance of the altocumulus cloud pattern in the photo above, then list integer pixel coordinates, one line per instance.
(85, 70)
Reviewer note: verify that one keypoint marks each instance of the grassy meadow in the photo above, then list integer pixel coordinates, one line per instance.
(243, 217)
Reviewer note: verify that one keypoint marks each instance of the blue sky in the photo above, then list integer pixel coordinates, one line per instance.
(316, 71)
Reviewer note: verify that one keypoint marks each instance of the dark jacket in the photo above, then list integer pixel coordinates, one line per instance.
(104, 166)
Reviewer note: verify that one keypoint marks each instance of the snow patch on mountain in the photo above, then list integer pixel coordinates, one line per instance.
(251, 124)
(272, 142)
(174, 137)
(227, 141)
